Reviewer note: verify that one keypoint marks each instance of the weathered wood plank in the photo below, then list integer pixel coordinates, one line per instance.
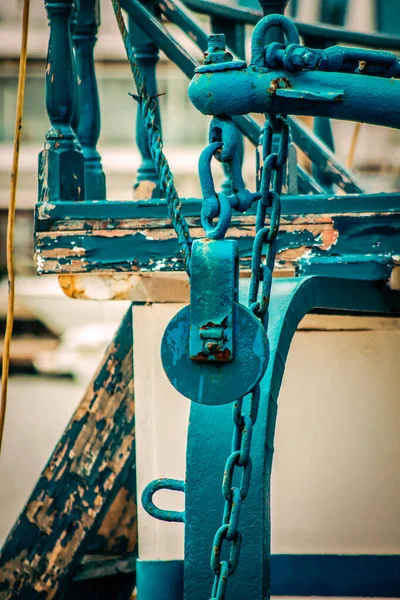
(157, 250)
(89, 472)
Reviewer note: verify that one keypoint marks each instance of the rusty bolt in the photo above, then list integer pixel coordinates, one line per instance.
(303, 58)
(212, 346)
(216, 42)
(216, 50)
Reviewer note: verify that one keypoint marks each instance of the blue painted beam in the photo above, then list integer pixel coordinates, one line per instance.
(46, 214)
(332, 34)
(350, 97)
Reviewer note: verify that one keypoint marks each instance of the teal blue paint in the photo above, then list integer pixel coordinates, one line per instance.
(159, 580)
(211, 383)
(376, 235)
(210, 428)
(292, 206)
(213, 291)
(387, 16)
(294, 575)
(335, 575)
(370, 99)
(147, 56)
(323, 130)
(334, 12)
(171, 516)
(61, 164)
(88, 130)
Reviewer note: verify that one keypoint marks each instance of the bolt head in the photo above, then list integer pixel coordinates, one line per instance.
(212, 346)
(216, 42)
(303, 58)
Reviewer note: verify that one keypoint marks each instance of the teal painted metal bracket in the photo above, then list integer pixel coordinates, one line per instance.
(210, 433)
(172, 516)
(358, 575)
(159, 580)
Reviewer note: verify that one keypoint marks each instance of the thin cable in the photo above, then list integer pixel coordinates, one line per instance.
(354, 140)
(11, 218)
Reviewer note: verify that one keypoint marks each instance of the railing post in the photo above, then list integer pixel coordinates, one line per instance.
(76, 115)
(386, 12)
(147, 55)
(88, 129)
(61, 163)
(334, 12)
(271, 7)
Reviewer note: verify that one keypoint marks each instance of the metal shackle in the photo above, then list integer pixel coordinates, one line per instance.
(259, 33)
(214, 205)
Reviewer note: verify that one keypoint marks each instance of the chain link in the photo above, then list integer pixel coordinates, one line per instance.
(147, 106)
(239, 461)
(270, 186)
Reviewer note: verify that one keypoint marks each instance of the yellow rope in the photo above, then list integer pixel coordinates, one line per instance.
(11, 217)
(352, 152)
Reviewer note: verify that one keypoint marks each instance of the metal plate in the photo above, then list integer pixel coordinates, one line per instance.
(212, 382)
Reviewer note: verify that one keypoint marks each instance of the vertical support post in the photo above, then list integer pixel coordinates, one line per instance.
(76, 115)
(271, 7)
(334, 12)
(61, 163)
(387, 16)
(293, 8)
(323, 129)
(147, 55)
(88, 128)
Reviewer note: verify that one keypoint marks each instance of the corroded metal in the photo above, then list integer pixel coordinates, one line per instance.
(76, 503)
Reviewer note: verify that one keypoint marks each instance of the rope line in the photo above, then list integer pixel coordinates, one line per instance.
(353, 145)
(11, 218)
(148, 106)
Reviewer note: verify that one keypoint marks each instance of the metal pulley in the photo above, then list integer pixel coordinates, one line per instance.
(215, 350)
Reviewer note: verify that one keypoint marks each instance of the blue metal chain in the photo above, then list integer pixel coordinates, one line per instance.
(271, 183)
(223, 147)
(148, 106)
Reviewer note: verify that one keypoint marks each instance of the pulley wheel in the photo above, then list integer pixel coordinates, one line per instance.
(213, 382)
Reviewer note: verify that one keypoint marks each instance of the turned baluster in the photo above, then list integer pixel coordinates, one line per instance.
(147, 55)
(61, 163)
(88, 129)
